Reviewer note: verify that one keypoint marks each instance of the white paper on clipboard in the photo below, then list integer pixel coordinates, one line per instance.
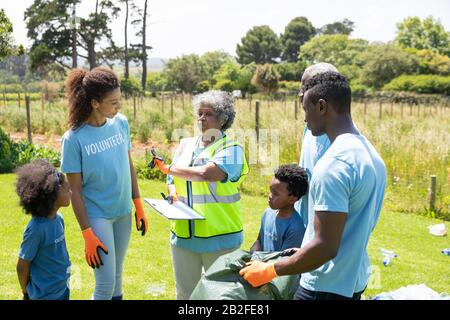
(176, 211)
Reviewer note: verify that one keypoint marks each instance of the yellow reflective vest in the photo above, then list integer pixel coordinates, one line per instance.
(218, 202)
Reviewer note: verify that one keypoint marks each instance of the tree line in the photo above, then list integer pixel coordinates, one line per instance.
(264, 61)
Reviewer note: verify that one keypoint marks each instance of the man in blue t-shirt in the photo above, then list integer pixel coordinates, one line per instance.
(347, 189)
(281, 225)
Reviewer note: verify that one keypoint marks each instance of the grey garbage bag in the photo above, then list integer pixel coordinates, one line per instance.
(223, 282)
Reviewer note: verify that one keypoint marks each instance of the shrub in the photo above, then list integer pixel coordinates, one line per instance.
(8, 153)
(28, 152)
(203, 86)
(225, 85)
(420, 84)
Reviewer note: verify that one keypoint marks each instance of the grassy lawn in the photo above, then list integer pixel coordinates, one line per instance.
(148, 269)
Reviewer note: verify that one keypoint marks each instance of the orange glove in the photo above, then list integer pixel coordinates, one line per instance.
(91, 246)
(141, 219)
(162, 166)
(159, 162)
(258, 273)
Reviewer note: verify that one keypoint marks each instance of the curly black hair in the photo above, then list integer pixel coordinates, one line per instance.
(295, 177)
(331, 86)
(38, 184)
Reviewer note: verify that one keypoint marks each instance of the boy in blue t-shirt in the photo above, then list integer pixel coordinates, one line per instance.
(281, 225)
(43, 266)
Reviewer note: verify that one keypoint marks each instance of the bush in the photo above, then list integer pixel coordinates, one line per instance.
(291, 86)
(13, 155)
(203, 86)
(28, 152)
(225, 85)
(130, 86)
(420, 84)
(8, 153)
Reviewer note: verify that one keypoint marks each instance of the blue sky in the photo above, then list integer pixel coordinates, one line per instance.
(195, 26)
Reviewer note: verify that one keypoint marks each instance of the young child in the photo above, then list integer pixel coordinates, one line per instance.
(43, 267)
(281, 225)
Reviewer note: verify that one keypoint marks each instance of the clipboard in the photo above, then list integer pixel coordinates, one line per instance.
(176, 211)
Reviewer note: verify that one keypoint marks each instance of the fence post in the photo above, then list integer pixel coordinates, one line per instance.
(257, 121)
(134, 105)
(18, 98)
(4, 98)
(162, 102)
(410, 109)
(296, 108)
(171, 110)
(380, 111)
(401, 110)
(432, 192)
(27, 103)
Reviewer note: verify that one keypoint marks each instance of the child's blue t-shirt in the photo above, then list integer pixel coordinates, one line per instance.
(100, 154)
(44, 245)
(349, 178)
(229, 160)
(277, 234)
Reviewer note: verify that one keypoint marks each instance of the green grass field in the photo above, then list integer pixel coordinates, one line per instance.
(148, 268)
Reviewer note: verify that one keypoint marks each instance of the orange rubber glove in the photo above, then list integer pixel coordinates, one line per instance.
(139, 215)
(91, 246)
(162, 165)
(258, 273)
(159, 162)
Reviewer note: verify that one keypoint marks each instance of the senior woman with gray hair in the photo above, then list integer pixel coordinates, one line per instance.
(205, 174)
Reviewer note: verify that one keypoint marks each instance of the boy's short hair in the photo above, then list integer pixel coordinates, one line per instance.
(295, 177)
(38, 184)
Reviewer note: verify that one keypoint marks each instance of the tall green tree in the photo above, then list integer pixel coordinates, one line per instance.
(185, 73)
(298, 31)
(213, 61)
(260, 45)
(338, 50)
(50, 25)
(6, 38)
(427, 34)
(345, 26)
(140, 50)
(384, 62)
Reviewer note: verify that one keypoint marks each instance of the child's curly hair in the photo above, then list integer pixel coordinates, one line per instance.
(295, 177)
(38, 184)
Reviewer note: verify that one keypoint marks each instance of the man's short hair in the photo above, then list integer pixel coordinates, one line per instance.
(317, 68)
(332, 87)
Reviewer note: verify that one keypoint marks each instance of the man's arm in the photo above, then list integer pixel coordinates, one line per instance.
(328, 229)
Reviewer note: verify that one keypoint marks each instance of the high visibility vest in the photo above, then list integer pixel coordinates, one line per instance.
(218, 202)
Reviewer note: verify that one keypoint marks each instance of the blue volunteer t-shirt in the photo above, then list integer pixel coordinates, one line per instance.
(229, 160)
(277, 234)
(100, 154)
(44, 245)
(350, 178)
(313, 148)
